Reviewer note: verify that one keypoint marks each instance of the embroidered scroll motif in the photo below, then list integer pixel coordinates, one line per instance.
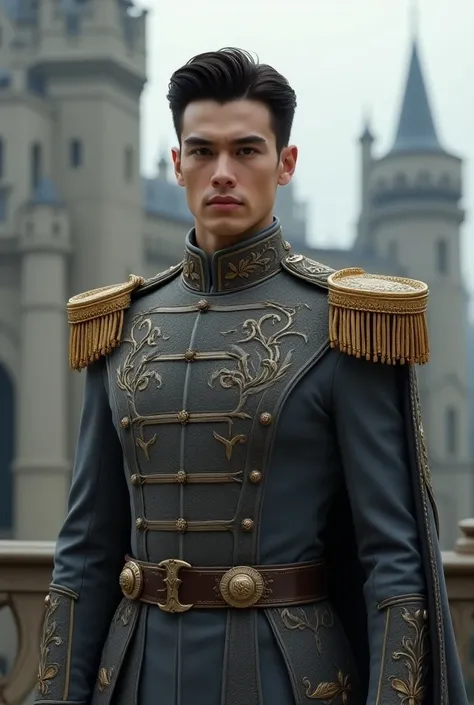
(48, 671)
(104, 679)
(411, 688)
(254, 262)
(327, 692)
(298, 619)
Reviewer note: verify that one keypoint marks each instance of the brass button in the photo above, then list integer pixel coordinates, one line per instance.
(255, 476)
(286, 246)
(125, 422)
(203, 305)
(266, 418)
(181, 525)
(247, 524)
(47, 600)
(181, 477)
(134, 479)
(140, 523)
(183, 416)
(190, 355)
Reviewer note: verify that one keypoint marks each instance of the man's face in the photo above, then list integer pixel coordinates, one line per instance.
(229, 165)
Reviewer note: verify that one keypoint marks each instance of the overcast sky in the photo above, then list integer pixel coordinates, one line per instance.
(344, 58)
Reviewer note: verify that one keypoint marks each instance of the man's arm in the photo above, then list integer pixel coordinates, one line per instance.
(89, 556)
(371, 434)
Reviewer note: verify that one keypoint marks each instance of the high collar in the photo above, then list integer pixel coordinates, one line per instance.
(237, 267)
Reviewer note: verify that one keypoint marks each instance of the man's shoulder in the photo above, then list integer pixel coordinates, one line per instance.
(377, 317)
(96, 316)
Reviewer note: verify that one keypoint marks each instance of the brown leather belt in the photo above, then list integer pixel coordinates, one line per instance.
(175, 586)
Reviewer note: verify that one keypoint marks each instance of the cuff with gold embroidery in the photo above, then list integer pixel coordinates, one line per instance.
(405, 654)
(55, 646)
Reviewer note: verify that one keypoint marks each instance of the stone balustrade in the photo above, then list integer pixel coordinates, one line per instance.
(25, 573)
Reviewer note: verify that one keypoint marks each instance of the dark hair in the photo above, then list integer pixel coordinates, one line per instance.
(231, 74)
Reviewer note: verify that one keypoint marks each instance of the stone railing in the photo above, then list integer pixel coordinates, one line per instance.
(25, 573)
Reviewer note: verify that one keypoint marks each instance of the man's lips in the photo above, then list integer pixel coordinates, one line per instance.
(224, 201)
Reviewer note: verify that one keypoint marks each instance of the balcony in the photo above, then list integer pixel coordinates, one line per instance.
(25, 572)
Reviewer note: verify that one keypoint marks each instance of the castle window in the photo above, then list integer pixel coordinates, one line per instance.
(442, 257)
(128, 164)
(451, 430)
(76, 153)
(36, 165)
(2, 158)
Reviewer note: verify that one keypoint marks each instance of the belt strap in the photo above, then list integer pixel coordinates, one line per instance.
(176, 586)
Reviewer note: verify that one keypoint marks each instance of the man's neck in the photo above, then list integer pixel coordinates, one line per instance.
(211, 243)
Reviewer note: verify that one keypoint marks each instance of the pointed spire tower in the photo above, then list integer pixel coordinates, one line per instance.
(411, 217)
(416, 130)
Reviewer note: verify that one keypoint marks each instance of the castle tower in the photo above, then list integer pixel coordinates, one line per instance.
(72, 76)
(413, 216)
(42, 466)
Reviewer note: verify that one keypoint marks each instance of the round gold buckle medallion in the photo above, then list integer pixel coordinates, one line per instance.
(131, 580)
(242, 586)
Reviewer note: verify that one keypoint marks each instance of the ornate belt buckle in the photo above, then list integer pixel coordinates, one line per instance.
(172, 582)
(131, 580)
(242, 586)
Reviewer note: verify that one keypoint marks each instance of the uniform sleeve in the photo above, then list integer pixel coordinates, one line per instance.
(371, 435)
(95, 536)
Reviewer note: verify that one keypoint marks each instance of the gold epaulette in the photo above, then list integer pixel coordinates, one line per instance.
(96, 320)
(380, 318)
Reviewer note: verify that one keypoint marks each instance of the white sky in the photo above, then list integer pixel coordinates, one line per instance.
(343, 58)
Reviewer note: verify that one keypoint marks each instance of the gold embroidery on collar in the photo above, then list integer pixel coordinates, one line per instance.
(105, 678)
(327, 692)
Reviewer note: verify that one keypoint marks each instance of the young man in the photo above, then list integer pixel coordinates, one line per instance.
(251, 518)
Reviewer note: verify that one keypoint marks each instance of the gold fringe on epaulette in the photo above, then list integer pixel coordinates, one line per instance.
(96, 321)
(379, 318)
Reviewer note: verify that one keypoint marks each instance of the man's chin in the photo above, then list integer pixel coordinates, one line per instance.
(226, 226)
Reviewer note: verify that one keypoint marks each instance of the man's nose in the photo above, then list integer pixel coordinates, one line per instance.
(223, 174)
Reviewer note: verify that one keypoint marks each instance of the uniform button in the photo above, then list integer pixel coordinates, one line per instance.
(247, 524)
(203, 305)
(255, 476)
(181, 477)
(140, 523)
(181, 525)
(190, 355)
(47, 600)
(125, 422)
(266, 418)
(134, 479)
(183, 416)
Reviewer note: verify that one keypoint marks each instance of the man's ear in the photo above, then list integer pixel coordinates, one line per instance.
(176, 156)
(287, 165)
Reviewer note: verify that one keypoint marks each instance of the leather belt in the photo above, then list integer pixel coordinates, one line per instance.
(175, 586)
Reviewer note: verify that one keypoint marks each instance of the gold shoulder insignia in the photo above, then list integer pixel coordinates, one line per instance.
(307, 269)
(96, 317)
(381, 318)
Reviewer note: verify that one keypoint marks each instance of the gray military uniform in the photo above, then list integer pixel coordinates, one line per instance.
(224, 431)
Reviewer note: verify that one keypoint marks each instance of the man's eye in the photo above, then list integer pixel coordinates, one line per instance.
(201, 151)
(247, 151)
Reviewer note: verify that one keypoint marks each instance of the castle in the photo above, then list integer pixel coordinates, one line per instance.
(75, 213)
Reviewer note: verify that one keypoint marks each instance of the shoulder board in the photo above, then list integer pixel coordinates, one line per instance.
(96, 317)
(377, 317)
(307, 269)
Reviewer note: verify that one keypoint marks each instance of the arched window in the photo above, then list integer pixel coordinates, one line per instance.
(7, 421)
(76, 153)
(36, 166)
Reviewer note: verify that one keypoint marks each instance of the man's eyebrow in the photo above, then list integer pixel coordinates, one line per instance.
(194, 140)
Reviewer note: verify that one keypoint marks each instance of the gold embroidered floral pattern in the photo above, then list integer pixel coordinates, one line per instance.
(124, 612)
(414, 652)
(104, 679)
(298, 619)
(327, 692)
(48, 671)
(256, 261)
(191, 273)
